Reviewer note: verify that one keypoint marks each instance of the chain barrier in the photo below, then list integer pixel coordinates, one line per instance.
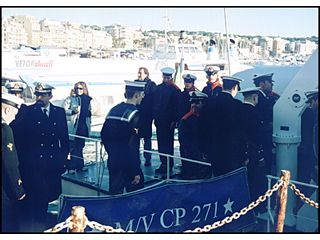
(303, 197)
(207, 228)
(243, 211)
(60, 226)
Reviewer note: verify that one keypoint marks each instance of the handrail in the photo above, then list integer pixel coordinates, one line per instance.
(295, 182)
(99, 172)
(86, 138)
(179, 157)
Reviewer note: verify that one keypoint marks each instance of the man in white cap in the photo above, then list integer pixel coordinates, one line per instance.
(214, 86)
(120, 137)
(43, 146)
(184, 103)
(191, 141)
(221, 123)
(166, 116)
(265, 111)
(308, 149)
(12, 188)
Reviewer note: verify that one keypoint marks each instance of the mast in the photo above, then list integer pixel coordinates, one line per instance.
(165, 33)
(226, 27)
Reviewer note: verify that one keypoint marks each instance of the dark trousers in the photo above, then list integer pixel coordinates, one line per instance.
(165, 137)
(10, 219)
(147, 146)
(34, 215)
(76, 149)
(119, 180)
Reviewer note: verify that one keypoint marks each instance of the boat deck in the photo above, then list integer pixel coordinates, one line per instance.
(95, 180)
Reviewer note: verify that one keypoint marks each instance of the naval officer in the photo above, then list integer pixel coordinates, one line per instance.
(191, 141)
(265, 111)
(120, 137)
(214, 86)
(221, 128)
(253, 139)
(12, 188)
(184, 103)
(43, 147)
(166, 116)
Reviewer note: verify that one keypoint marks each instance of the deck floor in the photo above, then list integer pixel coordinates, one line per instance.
(90, 178)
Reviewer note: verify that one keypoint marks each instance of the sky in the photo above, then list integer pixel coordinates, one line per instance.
(270, 21)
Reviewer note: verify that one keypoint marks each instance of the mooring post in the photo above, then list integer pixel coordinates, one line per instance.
(282, 200)
(78, 219)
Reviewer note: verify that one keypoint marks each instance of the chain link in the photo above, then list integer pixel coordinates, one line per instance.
(243, 211)
(60, 226)
(303, 197)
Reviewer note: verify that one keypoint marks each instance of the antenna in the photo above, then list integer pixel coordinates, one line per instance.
(226, 27)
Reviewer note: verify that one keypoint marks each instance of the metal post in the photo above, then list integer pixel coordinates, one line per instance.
(168, 168)
(268, 207)
(97, 165)
(78, 219)
(282, 200)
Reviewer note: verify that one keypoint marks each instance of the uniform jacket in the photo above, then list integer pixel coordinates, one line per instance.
(189, 137)
(212, 92)
(145, 110)
(165, 106)
(184, 103)
(12, 188)
(121, 140)
(72, 103)
(222, 121)
(253, 134)
(43, 146)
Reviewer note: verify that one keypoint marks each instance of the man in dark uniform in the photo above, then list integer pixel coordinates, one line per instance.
(145, 112)
(120, 137)
(43, 146)
(12, 189)
(165, 110)
(307, 154)
(253, 139)
(214, 86)
(224, 133)
(265, 111)
(190, 139)
(184, 103)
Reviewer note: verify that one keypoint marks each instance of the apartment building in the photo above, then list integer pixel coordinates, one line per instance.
(12, 33)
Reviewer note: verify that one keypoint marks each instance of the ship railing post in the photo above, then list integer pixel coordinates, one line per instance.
(282, 200)
(97, 164)
(268, 207)
(78, 219)
(168, 168)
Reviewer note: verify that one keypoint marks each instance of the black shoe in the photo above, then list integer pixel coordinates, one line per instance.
(161, 169)
(83, 169)
(147, 163)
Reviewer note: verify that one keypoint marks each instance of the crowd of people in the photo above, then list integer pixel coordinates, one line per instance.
(213, 127)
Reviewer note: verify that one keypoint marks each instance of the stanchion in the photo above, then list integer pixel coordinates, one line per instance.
(78, 219)
(282, 201)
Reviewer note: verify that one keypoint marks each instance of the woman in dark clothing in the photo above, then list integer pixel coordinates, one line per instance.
(78, 111)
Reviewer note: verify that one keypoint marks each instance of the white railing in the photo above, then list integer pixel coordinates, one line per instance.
(100, 155)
